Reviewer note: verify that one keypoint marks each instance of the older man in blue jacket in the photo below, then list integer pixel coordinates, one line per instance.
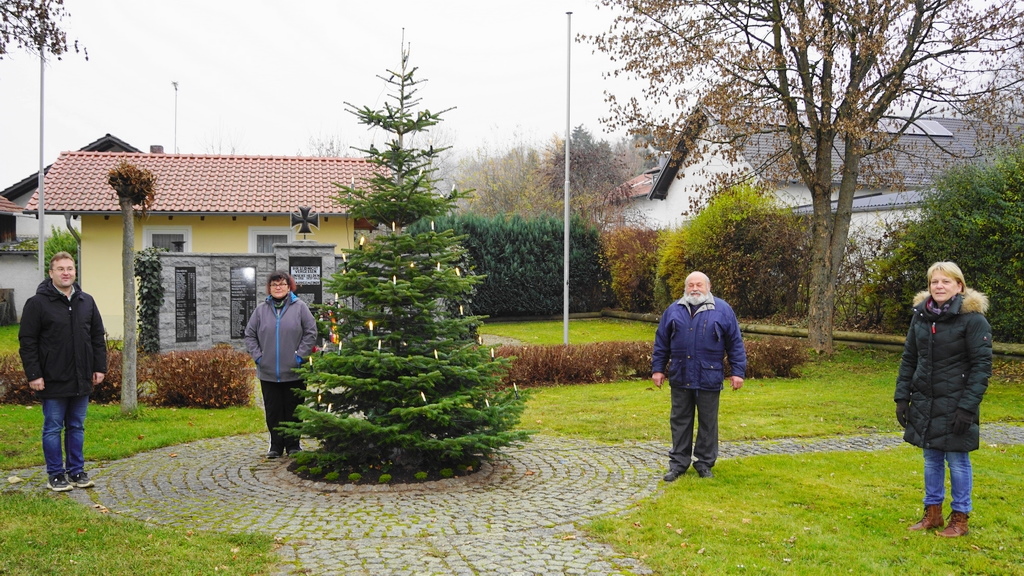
(694, 336)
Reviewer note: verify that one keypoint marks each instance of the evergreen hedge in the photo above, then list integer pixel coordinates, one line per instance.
(521, 260)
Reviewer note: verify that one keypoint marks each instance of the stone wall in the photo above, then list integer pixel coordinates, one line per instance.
(208, 297)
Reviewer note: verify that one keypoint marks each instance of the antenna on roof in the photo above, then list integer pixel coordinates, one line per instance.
(175, 84)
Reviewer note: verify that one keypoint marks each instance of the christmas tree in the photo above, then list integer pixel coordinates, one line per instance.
(402, 385)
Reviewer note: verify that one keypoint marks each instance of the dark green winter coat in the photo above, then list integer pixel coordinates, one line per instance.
(947, 361)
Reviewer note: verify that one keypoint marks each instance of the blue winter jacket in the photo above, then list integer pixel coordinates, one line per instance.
(690, 350)
(279, 338)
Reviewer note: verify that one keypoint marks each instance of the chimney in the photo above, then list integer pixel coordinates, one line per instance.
(156, 149)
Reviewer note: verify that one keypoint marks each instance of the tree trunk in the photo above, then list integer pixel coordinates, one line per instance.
(129, 356)
(822, 289)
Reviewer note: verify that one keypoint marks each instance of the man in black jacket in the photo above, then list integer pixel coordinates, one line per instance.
(64, 353)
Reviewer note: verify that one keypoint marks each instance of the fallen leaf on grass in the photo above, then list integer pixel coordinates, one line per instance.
(13, 480)
(101, 508)
(569, 537)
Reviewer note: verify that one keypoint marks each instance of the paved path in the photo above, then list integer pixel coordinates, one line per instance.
(517, 517)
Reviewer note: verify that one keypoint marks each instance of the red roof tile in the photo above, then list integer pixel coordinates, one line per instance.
(8, 207)
(77, 182)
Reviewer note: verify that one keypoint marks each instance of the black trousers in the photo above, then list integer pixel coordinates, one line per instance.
(279, 402)
(685, 403)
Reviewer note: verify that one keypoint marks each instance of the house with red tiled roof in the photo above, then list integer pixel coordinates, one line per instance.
(203, 204)
(9, 212)
(22, 191)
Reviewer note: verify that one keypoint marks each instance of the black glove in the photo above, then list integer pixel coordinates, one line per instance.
(901, 412)
(962, 421)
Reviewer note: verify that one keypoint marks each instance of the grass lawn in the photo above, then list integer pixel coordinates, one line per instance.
(9, 338)
(581, 331)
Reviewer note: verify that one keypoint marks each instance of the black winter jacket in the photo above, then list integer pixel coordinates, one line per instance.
(62, 341)
(947, 361)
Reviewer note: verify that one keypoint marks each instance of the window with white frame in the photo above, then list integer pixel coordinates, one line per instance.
(263, 238)
(170, 238)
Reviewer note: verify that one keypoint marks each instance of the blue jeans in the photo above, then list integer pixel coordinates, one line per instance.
(960, 478)
(64, 415)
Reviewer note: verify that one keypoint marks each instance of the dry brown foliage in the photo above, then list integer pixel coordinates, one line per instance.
(215, 378)
(610, 361)
(14, 388)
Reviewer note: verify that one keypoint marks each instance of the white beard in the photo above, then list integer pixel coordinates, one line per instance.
(699, 299)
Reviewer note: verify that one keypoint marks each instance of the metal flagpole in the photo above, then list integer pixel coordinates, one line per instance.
(42, 159)
(565, 264)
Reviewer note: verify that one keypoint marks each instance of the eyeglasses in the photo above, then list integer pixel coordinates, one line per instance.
(62, 270)
(278, 284)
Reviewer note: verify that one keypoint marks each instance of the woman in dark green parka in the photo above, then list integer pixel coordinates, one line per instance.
(947, 361)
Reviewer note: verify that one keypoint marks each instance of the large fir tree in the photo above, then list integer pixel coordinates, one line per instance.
(402, 385)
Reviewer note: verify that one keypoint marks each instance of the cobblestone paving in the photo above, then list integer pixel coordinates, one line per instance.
(516, 517)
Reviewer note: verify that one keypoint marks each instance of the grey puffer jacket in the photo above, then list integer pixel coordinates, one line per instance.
(947, 361)
(278, 339)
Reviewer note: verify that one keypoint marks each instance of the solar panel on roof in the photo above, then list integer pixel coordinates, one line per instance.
(933, 128)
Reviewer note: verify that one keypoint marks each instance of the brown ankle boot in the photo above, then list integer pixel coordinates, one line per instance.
(957, 525)
(932, 518)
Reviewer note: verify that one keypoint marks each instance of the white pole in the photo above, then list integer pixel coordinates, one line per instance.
(565, 264)
(42, 160)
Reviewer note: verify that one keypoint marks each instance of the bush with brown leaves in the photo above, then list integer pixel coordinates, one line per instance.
(215, 378)
(577, 363)
(775, 357)
(610, 361)
(14, 387)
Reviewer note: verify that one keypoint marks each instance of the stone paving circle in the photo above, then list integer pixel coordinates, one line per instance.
(517, 516)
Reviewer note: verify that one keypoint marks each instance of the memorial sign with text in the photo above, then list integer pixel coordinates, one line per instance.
(243, 298)
(185, 304)
(308, 274)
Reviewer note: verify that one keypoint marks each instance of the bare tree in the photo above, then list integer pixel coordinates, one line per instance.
(505, 182)
(34, 25)
(331, 146)
(834, 81)
(134, 187)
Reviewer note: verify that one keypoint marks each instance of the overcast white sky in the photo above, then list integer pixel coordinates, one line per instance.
(262, 77)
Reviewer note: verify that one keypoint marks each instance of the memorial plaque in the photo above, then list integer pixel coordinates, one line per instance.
(307, 271)
(243, 298)
(185, 304)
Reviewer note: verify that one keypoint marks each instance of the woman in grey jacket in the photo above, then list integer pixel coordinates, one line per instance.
(280, 333)
(946, 364)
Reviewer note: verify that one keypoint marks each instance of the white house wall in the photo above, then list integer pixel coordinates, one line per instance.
(674, 210)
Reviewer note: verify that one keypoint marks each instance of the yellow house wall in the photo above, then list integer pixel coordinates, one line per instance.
(100, 258)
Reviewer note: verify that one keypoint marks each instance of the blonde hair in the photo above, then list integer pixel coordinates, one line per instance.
(949, 269)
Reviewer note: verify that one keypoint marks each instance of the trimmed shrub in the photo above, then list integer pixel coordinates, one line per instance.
(772, 357)
(14, 388)
(215, 378)
(775, 357)
(631, 257)
(577, 363)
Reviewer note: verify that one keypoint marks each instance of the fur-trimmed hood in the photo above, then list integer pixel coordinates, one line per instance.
(973, 301)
